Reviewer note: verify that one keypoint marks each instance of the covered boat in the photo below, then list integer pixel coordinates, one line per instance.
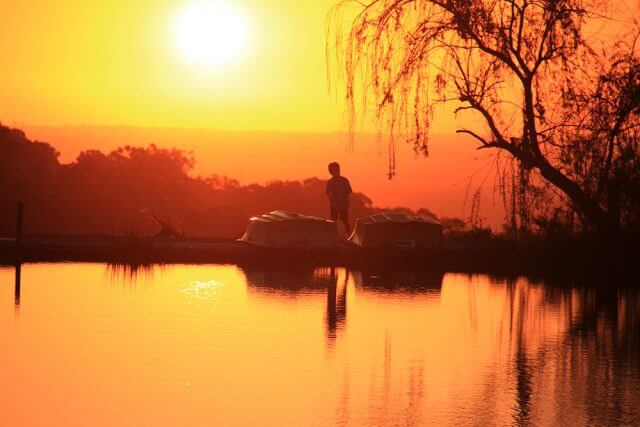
(397, 230)
(288, 229)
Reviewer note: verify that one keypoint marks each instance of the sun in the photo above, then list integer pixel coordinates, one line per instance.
(210, 33)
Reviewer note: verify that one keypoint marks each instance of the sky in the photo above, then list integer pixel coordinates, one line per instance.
(101, 74)
(436, 182)
(117, 62)
(108, 73)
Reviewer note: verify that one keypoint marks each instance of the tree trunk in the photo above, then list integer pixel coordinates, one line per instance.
(605, 223)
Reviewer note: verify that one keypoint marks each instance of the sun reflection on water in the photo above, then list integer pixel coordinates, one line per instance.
(210, 291)
(209, 344)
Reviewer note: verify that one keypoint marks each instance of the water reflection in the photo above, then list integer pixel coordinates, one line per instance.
(131, 273)
(521, 363)
(336, 304)
(330, 280)
(336, 282)
(17, 287)
(604, 334)
(578, 343)
(293, 280)
(565, 341)
(399, 280)
(227, 345)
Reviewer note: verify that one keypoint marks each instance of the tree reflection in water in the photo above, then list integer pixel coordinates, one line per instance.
(558, 350)
(131, 274)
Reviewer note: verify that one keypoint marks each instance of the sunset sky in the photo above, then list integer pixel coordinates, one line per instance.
(72, 65)
(119, 62)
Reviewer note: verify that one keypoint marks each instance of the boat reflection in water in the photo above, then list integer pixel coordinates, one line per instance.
(336, 282)
(408, 281)
(215, 344)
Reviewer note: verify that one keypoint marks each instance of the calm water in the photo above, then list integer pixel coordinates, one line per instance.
(91, 344)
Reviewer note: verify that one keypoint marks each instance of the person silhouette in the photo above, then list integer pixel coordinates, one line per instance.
(338, 190)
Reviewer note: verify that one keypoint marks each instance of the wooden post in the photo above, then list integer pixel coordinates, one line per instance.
(17, 285)
(20, 212)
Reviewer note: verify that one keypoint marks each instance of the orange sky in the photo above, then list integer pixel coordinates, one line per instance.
(436, 182)
(107, 63)
(116, 63)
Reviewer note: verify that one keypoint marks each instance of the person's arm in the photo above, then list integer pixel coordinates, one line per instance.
(349, 190)
(327, 191)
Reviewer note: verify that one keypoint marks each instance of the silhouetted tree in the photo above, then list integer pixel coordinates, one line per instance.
(565, 109)
(132, 190)
(27, 170)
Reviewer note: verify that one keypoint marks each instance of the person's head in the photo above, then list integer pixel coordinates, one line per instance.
(334, 169)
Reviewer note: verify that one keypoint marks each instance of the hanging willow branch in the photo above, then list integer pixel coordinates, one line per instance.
(516, 66)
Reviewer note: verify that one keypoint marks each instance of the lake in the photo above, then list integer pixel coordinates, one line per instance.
(97, 344)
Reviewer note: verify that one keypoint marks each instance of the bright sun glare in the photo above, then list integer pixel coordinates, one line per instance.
(210, 33)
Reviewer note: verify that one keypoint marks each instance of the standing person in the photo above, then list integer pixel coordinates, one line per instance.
(338, 190)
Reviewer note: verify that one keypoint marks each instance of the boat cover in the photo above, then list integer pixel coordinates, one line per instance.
(397, 230)
(288, 229)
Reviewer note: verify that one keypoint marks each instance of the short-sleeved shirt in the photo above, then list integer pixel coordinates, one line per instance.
(338, 190)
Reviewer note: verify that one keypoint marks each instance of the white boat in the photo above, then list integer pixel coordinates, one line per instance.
(287, 229)
(397, 230)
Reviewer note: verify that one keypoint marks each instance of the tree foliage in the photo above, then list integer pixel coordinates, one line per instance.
(122, 191)
(526, 77)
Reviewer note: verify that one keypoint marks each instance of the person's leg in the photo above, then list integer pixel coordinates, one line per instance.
(333, 213)
(345, 220)
(334, 217)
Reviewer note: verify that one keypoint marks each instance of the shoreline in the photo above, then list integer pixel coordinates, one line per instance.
(570, 261)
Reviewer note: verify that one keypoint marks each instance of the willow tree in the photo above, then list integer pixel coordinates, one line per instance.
(527, 78)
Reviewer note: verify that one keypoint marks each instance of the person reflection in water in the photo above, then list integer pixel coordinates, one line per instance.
(338, 190)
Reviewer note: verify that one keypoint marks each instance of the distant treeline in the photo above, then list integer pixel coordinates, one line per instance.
(121, 192)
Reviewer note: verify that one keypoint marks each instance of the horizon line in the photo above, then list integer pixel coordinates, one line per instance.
(22, 126)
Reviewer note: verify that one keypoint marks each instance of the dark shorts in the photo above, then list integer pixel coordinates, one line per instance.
(343, 214)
